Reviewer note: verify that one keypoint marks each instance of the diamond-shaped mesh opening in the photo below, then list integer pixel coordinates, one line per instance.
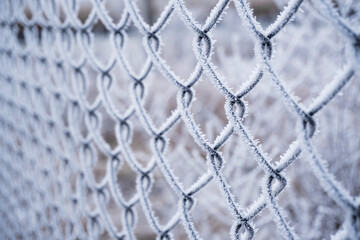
(182, 119)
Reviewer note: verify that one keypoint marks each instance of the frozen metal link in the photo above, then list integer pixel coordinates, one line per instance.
(47, 161)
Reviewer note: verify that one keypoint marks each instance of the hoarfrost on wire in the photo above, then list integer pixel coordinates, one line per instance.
(102, 135)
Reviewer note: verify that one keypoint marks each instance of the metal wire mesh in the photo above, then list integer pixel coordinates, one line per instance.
(51, 127)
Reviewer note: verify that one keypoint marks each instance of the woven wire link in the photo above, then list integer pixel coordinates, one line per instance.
(45, 109)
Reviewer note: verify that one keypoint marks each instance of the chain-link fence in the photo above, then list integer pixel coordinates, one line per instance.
(112, 126)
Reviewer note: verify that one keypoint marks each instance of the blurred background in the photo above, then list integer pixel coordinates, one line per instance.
(308, 54)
